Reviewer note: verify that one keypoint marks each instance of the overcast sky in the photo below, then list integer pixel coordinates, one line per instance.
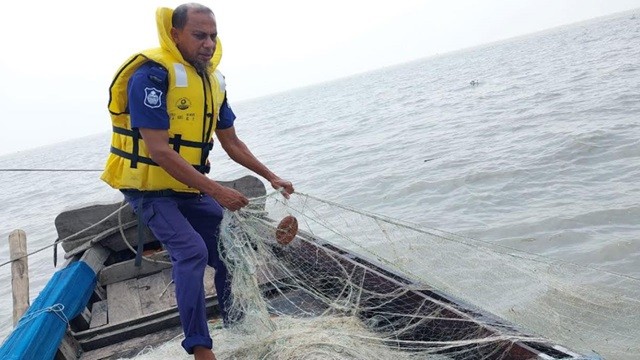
(60, 56)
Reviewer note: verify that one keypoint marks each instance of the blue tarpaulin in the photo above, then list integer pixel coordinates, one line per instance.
(40, 330)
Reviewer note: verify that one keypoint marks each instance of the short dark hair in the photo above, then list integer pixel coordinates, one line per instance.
(179, 17)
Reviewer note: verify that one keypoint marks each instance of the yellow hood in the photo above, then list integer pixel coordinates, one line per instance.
(163, 21)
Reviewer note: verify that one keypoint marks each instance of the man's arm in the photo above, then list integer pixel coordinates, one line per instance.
(157, 142)
(240, 153)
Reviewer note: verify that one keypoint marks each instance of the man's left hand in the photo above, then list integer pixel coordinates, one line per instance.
(286, 187)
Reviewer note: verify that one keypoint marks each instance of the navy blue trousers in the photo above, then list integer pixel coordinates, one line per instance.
(188, 227)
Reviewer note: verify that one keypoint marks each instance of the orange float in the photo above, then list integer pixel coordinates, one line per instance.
(287, 229)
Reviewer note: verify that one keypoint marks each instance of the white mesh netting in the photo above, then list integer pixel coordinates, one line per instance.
(355, 285)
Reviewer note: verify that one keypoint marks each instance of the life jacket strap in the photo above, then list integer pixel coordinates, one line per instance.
(204, 169)
(176, 141)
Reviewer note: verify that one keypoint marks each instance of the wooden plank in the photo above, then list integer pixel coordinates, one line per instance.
(123, 301)
(81, 322)
(99, 314)
(95, 257)
(69, 348)
(108, 335)
(99, 293)
(88, 241)
(209, 286)
(145, 324)
(132, 346)
(170, 287)
(153, 294)
(170, 290)
(154, 317)
(127, 270)
(72, 225)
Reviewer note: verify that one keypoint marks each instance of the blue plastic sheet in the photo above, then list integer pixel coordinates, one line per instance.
(40, 330)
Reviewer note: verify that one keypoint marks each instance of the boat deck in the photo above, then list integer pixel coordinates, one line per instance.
(139, 312)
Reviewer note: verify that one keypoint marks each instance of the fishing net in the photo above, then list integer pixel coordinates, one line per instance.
(355, 285)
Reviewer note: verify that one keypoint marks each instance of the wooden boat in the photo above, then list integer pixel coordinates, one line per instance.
(126, 307)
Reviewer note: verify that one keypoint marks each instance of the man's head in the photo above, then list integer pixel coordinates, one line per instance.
(194, 31)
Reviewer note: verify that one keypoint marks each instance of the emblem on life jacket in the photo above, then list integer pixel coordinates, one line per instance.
(152, 97)
(183, 103)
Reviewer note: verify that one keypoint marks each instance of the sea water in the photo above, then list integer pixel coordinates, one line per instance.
(533, 143)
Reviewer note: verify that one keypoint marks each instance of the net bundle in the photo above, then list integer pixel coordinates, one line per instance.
(356, 285)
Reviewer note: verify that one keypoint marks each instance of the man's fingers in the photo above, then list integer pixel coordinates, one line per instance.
(238, 203)
(243, 200)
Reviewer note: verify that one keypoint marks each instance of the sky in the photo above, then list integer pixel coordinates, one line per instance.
(60, 56)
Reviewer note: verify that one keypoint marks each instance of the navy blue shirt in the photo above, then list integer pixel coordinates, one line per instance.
(147, 92)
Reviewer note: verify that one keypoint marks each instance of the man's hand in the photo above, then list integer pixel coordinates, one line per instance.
(229, 198)
(285, 185)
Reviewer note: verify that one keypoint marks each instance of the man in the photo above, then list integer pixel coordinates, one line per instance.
(164, 104)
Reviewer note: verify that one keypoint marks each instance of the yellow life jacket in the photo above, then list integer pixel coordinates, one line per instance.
(193, 103)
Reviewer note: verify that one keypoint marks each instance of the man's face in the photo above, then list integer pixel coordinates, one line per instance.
(197, 40)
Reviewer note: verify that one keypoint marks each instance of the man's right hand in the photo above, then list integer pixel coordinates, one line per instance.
(229, 198)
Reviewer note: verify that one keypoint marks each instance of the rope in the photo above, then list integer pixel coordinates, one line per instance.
(118, 212)
(57, 309)
(61, 240)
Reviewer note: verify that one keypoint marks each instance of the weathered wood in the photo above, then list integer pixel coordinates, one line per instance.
(19, 273)
(99, 314)
(94, 340)
(153, 294)
(156, 291)
(149, 322)
(69, 348)
(170, 290)
(108, 335)
(127, 270)
(76, 221)
(130, 347)
(95, 257)
(123, 302)
(106, 238)
(81, 322)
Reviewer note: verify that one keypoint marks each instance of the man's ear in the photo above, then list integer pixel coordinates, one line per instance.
(174, 34)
